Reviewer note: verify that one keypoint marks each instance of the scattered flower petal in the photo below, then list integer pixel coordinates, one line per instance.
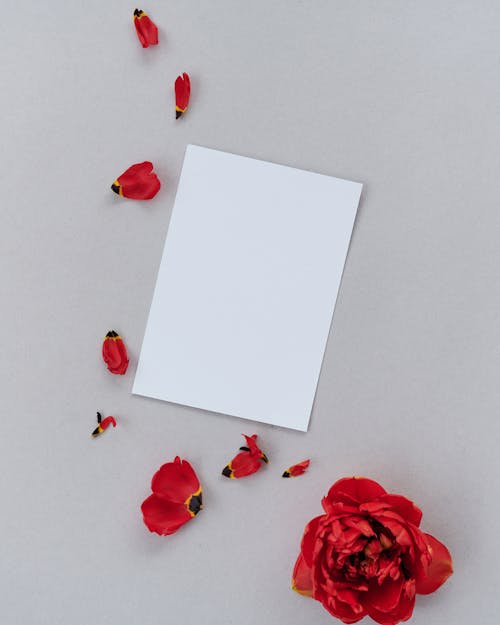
(176, 498)
(296, 469)
(439, 568)
(248, 461)
(114, 353)
(182, 94)
(146, 29)
(138, 182)
(103, 424)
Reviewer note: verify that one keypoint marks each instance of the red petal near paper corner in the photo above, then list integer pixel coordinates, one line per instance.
(182, 93)
(297, 469)
(164, 517)
(138, 182)
(146, 29)
(114, 353)
(352, 490)
(175, 481)
(439, 569)
(302, 577)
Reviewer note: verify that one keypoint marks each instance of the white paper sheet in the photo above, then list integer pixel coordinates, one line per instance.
(246, 288)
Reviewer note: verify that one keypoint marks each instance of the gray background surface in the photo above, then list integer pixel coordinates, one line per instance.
(402, 96)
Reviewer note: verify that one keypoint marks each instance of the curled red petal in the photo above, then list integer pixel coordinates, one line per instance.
(254, 449)
(302, 577)
(146, 29)
(438, 570)
(182, 94)
(114, 353)
(251, 442)
(138, 182)
(175, 481)
(105, 423)
(164, 517)
(297, 469)
(352, 490)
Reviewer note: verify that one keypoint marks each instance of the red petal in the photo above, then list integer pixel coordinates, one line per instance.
(164, 517)
(401, 611)
(146, 29)
(344, 605)
(385, 597)
(309, 539)
(404, 507)
(298, 469)
(398, 528)
(244, 464)
(302, 577)
(182, 92)
(438, 571)
(252, 444)
(175, 481)
(114, 353)
(139, 182)
(105, 423)
(352, 490)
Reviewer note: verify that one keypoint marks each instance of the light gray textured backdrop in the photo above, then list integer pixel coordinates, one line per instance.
(402, 96)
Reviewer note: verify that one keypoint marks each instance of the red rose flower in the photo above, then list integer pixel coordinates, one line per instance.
(176, 498)
(367, 556)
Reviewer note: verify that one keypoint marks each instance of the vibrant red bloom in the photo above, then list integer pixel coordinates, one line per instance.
(176, 498)
(296, 469)
(145, 28)
(114, 353)
(248, 461)
(103, 424)
(182, 93)
(138, 182)
(367, 556)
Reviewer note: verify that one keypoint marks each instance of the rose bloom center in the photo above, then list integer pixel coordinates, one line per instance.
(358, 549)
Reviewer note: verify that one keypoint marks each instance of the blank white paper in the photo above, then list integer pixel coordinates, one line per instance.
(247, 287)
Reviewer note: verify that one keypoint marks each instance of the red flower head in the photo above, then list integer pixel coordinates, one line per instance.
(182, 93)
(367, 556)
(138, 182)
(248, 461)
(176, 498)
(297, 469)
(145, 28)
(114, 353)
